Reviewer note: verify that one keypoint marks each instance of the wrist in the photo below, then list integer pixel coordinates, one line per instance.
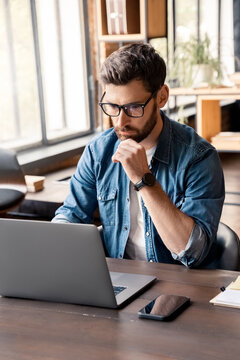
(148, 179)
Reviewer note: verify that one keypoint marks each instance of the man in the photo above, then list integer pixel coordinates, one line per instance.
(158, 185)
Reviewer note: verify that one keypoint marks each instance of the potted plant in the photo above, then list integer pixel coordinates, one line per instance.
(194, 64)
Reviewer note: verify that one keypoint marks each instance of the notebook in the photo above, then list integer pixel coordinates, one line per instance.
(229, 296)
(62, 263)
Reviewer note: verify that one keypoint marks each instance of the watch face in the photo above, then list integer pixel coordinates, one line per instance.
(149, 179)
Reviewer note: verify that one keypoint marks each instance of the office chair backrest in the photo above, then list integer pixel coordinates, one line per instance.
(225, 251)
(12, 182)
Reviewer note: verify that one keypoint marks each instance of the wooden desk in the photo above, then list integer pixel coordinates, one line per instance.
(208, 107)
(43, 204)
(53, 191)
(40, 330)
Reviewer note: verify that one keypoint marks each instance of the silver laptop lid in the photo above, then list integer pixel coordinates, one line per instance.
(54, 262)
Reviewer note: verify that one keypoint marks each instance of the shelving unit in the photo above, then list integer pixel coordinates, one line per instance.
(208, 122)
(145, 19)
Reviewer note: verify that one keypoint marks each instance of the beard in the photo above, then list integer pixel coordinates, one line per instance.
(140, 134)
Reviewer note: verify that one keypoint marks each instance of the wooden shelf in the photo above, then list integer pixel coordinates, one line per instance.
(208, 122)
(206, 91)
(156, 18)
(134, 18)
(226, 140)
(144, 18)
(122, 38)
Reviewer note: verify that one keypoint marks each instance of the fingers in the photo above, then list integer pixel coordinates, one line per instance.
(133, 158)
(127, 149)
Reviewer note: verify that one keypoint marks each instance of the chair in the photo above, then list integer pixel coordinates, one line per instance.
(12, 182)
(225, 251)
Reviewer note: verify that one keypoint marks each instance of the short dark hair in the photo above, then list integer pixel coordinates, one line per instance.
(134, 61)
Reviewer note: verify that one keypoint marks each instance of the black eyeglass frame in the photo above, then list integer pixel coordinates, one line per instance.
(125, 106)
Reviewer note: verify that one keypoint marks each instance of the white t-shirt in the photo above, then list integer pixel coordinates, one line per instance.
(135, 248)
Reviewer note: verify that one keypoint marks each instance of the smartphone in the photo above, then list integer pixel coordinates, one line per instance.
(164, 307)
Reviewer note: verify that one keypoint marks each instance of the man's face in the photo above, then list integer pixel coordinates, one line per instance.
(127, 127)
(138, 134)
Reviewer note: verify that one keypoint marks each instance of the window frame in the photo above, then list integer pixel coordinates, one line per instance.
(90, 87)
(44, 141)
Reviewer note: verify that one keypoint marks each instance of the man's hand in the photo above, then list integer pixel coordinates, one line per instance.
(133, 158)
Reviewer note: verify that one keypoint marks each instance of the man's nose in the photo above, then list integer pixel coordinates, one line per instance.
(122, 119)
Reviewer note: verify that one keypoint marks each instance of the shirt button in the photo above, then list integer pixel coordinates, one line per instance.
(99, 198)
(125, 228)
(147, 233)
(120, 255)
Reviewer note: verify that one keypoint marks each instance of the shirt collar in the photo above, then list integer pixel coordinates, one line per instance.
(162, 152)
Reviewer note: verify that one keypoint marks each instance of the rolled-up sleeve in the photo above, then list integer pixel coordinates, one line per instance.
(195, 248)
(203, 201)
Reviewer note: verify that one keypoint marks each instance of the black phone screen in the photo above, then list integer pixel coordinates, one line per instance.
(164, 307)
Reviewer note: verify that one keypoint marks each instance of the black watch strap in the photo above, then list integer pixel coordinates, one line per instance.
(148, 179)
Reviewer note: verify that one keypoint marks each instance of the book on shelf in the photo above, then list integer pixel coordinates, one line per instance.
(229, 297)
(226, 140)
(116, 17)
(123, 17)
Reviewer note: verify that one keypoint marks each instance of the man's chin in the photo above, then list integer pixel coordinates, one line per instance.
(138, 138)
(131, 134)
(124, 136)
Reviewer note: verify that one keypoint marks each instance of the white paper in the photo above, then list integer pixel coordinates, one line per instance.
(228, 297)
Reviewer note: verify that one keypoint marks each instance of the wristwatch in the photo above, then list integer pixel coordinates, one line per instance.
(148, 179)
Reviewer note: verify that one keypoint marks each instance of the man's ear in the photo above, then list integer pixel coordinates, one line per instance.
(162, 96)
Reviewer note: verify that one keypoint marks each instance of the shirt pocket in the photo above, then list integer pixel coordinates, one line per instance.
(107, 206)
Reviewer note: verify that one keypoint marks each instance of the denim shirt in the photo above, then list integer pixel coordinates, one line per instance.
(189, 171)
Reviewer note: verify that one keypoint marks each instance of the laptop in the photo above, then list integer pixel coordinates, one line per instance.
(63, 263)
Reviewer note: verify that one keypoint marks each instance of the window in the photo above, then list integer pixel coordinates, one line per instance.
(199, 17)
(195, 18)
(186, 19)
(44, 95)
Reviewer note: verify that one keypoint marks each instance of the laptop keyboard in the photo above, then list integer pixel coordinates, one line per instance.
(118, 289)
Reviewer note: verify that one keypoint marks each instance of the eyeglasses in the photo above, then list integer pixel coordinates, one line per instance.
(132, 109)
